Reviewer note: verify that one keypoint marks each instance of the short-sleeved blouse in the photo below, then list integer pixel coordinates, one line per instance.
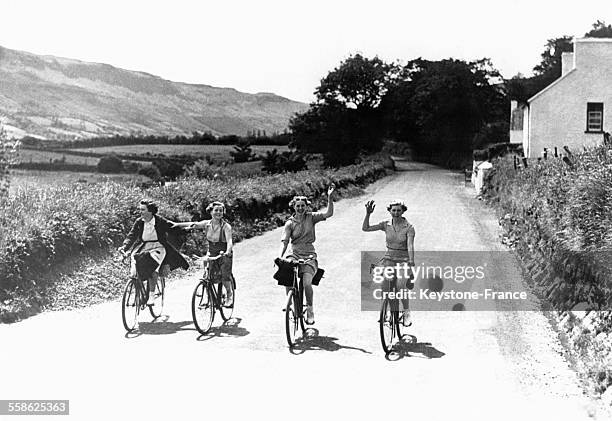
(302, 233)
(396, 238)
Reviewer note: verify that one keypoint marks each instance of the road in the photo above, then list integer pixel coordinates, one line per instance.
(501, 365)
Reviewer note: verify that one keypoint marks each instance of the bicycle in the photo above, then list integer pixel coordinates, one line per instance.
(389, 320)
(136, 295)
(207, 298)
(294, 308)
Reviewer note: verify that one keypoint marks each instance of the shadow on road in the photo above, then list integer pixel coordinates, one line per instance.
(312, 341)
(163, 327)
(229, 328)
(411, 347)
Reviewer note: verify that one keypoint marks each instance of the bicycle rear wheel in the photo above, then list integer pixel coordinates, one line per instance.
(226, 312)
(202, 308)
(130, 306)
(292, 325)
(386, 324)
(160, 291)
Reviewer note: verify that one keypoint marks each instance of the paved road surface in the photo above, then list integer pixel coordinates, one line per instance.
(463, 366)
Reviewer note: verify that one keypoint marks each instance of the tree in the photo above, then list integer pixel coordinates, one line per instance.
(441, 105)
(600, 30)
(242, 152)
(110, 164)
(345, 120)
(551, 57)
(169, 168)
(358, 82)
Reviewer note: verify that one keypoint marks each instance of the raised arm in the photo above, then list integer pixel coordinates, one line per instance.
(366, 221)
(330, 201)
(192, 225)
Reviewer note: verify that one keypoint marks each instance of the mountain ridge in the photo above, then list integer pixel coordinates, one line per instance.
(63, 98)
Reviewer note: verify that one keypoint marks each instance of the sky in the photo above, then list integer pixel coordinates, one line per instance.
(287, 46)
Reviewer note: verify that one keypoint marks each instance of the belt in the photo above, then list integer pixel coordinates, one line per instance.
(391, 248)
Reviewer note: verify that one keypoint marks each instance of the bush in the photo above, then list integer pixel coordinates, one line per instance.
(169, 168)
(202, 169)
(110, 164)
(560, 214)
(40, 228)
(242, 152)
(275, 163)
(150, 171)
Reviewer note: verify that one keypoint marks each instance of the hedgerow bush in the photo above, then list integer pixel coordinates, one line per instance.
(561, 216)
(41, 228)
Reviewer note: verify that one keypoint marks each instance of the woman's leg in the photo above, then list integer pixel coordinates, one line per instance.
(226, 278)
(308, 292)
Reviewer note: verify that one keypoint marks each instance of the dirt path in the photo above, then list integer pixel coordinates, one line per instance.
(464, 366)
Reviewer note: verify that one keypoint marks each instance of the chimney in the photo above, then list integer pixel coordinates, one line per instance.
(567, 63)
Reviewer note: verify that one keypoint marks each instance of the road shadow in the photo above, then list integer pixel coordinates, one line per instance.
(163, 327)
(313, 341)
(410, 347)
(227, 329)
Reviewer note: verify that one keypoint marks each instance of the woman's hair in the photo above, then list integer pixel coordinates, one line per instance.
(151, 205)
(212, 205)
(297, 199)
(397, 203)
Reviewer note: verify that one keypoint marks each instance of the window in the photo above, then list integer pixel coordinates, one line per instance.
(595, 117)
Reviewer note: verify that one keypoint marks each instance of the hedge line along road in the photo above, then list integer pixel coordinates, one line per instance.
(467, 365)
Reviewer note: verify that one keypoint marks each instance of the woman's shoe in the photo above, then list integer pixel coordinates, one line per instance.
(309, 315)
(406, 319)
(229, 302)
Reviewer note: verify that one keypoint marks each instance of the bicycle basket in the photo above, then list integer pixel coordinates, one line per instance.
(318, 276)
(284, 274)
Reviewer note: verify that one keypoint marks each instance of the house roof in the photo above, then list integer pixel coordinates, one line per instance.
(576, 40)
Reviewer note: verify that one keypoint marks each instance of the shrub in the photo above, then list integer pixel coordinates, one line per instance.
(289, 161)
(242, 152)
(150, 171)
(169, 168)
(201, 169)
(110, 164)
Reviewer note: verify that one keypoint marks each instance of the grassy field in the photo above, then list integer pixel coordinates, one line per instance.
(25, 179)
(201, 150)
(31, 155)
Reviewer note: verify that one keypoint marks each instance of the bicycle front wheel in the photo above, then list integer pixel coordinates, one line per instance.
(202, 308)
(292, 317)
(387, 325)
(130, 306)
(158, 304)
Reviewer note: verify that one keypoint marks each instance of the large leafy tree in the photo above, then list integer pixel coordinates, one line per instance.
(345, 119)
(441, 105)
(359, 82)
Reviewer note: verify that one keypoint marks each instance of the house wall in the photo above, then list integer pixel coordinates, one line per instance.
(557, 115)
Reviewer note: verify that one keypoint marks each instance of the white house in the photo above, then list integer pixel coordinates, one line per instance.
(576, 109)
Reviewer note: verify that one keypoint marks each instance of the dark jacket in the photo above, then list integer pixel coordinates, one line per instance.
(162, 226)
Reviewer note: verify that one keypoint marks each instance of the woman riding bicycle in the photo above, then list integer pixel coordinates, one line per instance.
(219, 236)
(149, 238)
(400, 244)
(300, 230)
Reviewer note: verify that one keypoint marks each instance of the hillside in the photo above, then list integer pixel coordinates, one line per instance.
(60, 98)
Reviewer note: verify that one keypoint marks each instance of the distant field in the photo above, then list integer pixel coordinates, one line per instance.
(24, 179)
(31, 155)
(199, 150)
